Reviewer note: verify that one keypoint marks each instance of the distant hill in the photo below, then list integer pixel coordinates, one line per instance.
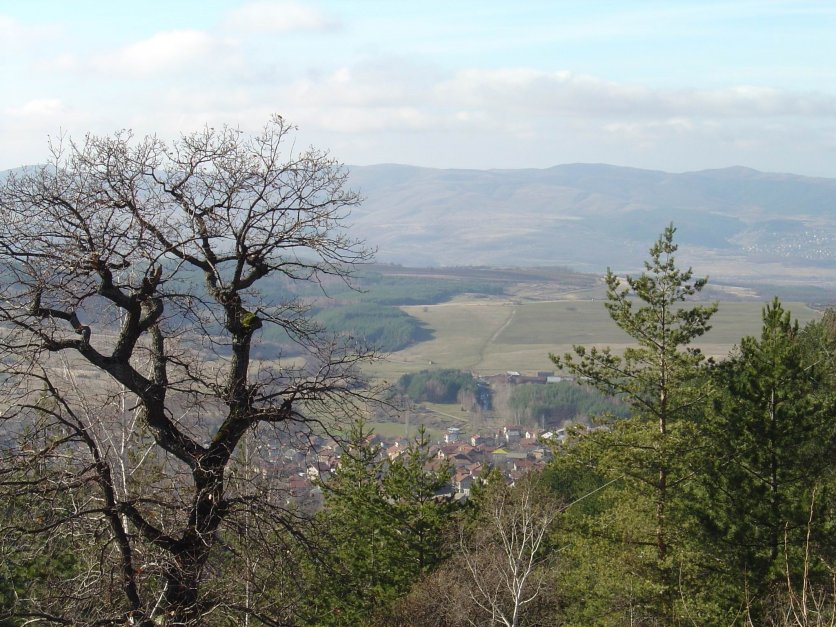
(733, 222)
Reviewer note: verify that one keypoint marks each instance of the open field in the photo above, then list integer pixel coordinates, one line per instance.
(490, 336)
(388, 429)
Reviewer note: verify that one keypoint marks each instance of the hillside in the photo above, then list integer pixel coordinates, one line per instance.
(733, 223)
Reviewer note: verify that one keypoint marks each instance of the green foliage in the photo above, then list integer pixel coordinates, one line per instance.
(819, 338)
(371, 313)
(659, 378)
(383, 526)
(418, 513)
(29, 571)
(577, 485)
(367, 310)
(559, 402)
(406, 290)
(353, 573)
(649, 376)
(719, 487)
(436, 386)
(662, 381)
(500, 570)
(386, 328)
(767, 485)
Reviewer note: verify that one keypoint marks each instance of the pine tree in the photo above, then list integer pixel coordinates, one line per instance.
(420, 513)
(772, 429)
(350, 580)
(660, 378)
(384, 525)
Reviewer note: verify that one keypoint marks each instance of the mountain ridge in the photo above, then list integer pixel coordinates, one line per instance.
(736, 220)
(733, 222)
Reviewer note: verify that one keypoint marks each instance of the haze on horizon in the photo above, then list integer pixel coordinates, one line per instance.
(671, 86)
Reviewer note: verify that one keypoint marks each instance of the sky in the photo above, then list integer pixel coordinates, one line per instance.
(674, 85)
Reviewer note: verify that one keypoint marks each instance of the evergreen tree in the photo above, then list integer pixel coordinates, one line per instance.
(348, 581)
(769, 479)
(384, 527)
(419, 512)
(660, 378)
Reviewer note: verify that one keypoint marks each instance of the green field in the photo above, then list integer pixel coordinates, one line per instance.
(491, 336)
(400, 430)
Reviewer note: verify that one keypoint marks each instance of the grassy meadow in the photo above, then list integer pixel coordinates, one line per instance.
(491, 336)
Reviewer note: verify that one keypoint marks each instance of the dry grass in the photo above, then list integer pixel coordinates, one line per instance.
(494, 336)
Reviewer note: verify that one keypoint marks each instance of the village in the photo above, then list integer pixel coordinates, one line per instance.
(513, 450)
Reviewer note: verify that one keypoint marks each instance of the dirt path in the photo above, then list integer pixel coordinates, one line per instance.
(441, 413)
(493, 338)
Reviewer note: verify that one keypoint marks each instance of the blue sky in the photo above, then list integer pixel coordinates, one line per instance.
(667, 85)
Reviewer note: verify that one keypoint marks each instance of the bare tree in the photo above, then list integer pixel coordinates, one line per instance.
(137, 277)
(506, 556)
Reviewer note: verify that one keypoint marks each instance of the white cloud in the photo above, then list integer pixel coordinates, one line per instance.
(278, 17)
(752, 101)
(26, 128)
(15, 34)
(40, 108)
(652, 135)
(356, 120)
(527, 104)
(392, 108)
(167, 52)
(536, 91)
(9, 27)
(360, 87)
(567, 93)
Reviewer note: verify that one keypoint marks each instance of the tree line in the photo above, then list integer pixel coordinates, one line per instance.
(556, 403)
(446, 385)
